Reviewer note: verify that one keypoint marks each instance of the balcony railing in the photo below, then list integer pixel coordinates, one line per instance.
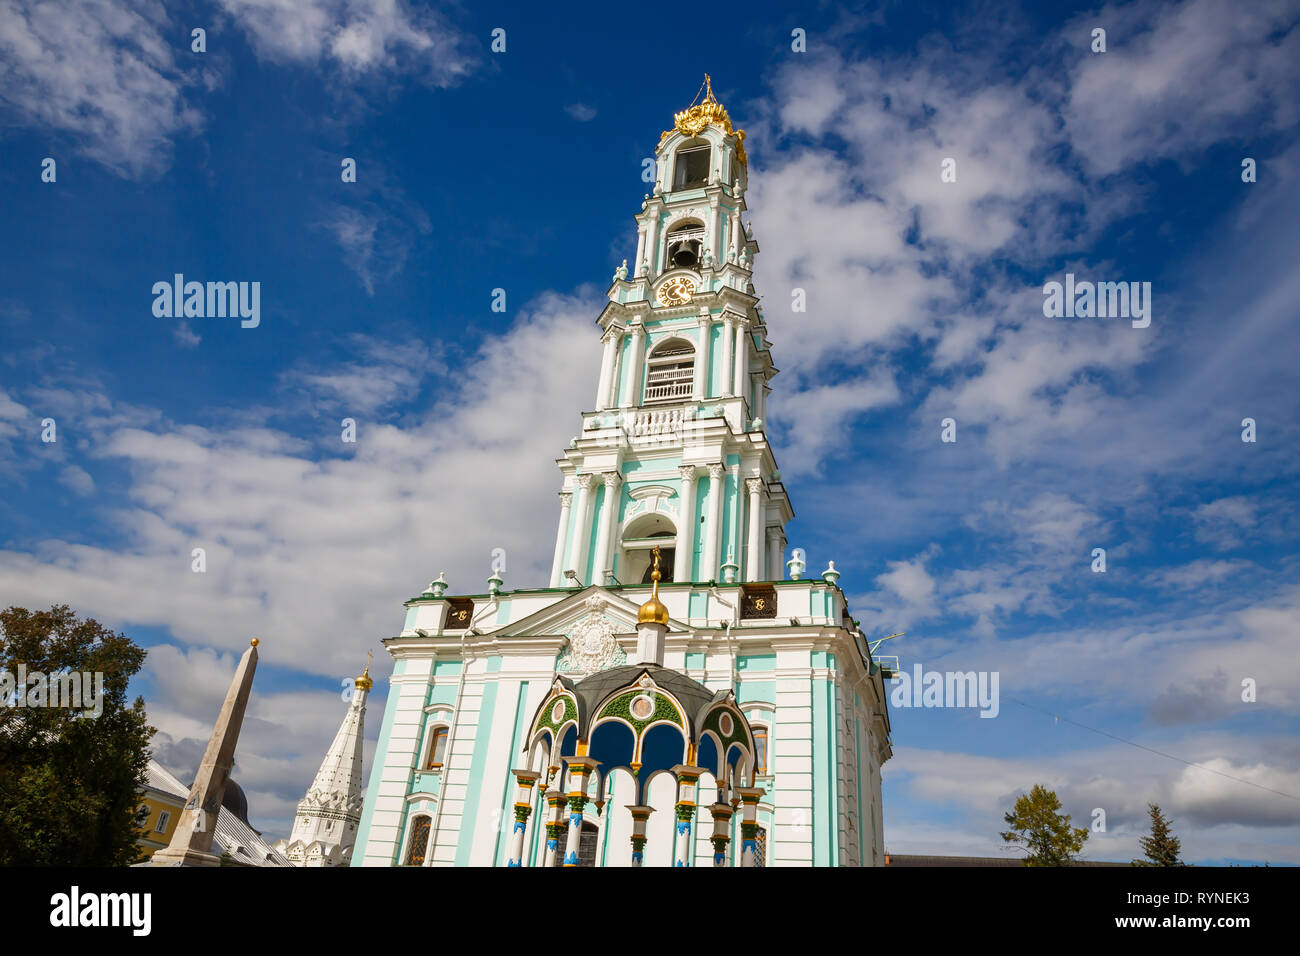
(667, 391)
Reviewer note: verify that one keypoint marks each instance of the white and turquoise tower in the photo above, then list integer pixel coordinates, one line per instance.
(675, 447)
(673, 696)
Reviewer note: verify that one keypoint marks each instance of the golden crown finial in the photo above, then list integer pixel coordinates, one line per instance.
(653, 610)
(364, 682)
(708, 112)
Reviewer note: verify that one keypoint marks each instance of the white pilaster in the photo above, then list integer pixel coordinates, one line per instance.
(685, 526)
(608, 515)
(775, 555)
(742, 357)
(611, 339)
(754, 562)
(715, 230)
(582, 527)
(728, 340)
(640, 251)
(700, 389)
(652, 242)
(713, 527)
(635, 366)
(557, 571)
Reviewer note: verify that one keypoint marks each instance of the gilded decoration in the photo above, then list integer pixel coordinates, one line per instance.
(692, 120)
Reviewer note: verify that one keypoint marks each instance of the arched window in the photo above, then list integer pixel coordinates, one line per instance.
(692, 166)
(437, 748)
(760, 749)
(685, 244)
(419, 840)
(639, 540)
(670, 372)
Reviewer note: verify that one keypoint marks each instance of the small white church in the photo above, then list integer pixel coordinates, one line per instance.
(679, 693)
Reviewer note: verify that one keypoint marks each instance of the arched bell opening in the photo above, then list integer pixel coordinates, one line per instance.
(685, 245)
(639, 539)
(691, 164)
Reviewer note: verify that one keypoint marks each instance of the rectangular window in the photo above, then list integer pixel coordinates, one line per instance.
(437, 748)
(760, 750)
(161, 826)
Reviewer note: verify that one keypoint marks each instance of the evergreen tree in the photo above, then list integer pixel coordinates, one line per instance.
(69, 784)
(1161, 847)
(1038, 826)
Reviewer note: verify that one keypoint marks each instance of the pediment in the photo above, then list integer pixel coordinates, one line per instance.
(565, 615)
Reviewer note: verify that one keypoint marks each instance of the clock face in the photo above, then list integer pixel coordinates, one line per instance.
(677, 291)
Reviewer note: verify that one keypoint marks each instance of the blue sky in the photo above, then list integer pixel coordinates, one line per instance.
(521, 171)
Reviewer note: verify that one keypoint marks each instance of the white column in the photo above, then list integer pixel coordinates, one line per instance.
(737, 234)
(615, 373)
(713, 527)
(652, 242)
(700, 390)
(635, 360)
(523, 809)
(775, 567)
(613, 482)
(715, 232)
(760, 398)
(685, 526)
(557, 572)
(582, 527)
(742, 357)
(728, 340)
(640, 251)
(606, 370)
(754, 561)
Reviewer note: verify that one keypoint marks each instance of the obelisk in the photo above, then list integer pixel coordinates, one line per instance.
(192, 839)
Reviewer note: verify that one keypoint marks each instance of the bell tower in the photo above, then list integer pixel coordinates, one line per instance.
(674, 454)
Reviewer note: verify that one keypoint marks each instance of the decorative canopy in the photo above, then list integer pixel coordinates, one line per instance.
(647, 719)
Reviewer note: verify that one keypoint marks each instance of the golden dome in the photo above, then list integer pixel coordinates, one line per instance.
(653, 610)
(363, 682)
(692, 120)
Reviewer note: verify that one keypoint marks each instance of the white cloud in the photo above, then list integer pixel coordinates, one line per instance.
(78, 479)
(315, 556)
(104, 71)
(373, 37)
(1224, 522)
(185, 335)
(1176, 77)
(581, 112)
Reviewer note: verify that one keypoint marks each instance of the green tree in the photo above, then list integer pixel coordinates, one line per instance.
(1161, 847)
(1037, 824)
(70, 784)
